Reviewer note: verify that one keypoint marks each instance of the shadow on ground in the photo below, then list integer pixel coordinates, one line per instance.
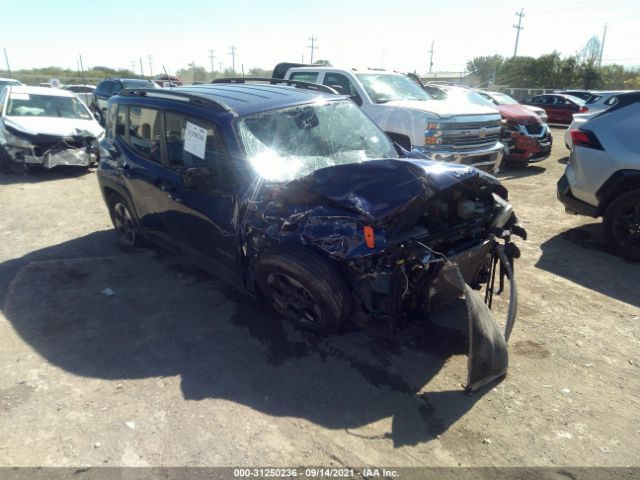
(592, 264)
(167, 319)
(42, 175)
(509, 172)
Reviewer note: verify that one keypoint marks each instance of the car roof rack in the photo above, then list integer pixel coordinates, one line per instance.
(275, 81)
(175, 95)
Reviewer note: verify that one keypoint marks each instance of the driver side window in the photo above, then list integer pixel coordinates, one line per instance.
(184, 153)
(346, 86)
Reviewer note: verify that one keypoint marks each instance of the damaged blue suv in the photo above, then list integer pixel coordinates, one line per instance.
(288, 189)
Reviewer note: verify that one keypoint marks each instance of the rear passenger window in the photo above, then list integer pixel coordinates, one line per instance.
(121, 122)
(305, 77)
(144, 132)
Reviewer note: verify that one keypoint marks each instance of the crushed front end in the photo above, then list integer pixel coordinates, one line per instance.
(49, 150)
(409, 235)
(526, 142)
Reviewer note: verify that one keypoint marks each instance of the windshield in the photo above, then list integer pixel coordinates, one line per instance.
(29, 105)
(383, 87)
(502, 99)
(282, 145)
(4, 83)
(139, 84)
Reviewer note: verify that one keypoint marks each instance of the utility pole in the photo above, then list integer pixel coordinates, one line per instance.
(233, 52)
(6, 59)
(431, 57)
(150, 65)
(313, 46)
(220, 67)
(193, 64)
(133, 66)
(141, 69)
(604, 36)
(212, 56)
(84, 80)
(518, 28)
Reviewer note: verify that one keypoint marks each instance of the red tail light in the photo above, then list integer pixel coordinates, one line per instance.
(585, 138)
(583, 109)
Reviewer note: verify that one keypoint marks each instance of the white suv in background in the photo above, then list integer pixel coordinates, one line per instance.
(602, 178)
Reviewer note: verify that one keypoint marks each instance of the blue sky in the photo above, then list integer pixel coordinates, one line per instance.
(395, 35)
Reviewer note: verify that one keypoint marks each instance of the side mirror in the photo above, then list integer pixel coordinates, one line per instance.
(356, 99)
(196, 178)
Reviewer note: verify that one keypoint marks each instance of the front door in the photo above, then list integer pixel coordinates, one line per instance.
(202, 218)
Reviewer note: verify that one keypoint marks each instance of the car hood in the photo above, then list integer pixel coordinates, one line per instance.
(443, 108)
(377, 190)
(518, 113)
(51, 126)
(328, 208)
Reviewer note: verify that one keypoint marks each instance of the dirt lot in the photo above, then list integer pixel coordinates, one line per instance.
(176, 369)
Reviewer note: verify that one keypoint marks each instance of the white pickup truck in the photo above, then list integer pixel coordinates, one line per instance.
(456, 132)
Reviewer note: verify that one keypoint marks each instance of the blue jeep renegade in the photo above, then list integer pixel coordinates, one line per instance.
(289, 189)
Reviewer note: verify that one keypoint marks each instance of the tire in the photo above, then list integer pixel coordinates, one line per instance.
(123, 221)
(305, 288)
(622, 225)
(8, 166)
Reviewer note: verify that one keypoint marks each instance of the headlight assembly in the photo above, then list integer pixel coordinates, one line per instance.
(17, 142)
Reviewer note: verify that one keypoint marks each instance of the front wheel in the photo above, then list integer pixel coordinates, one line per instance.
(8, 166)
(622, 225)
(122, 218)
(305, 288)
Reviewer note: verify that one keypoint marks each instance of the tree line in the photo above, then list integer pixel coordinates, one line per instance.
(553, 71)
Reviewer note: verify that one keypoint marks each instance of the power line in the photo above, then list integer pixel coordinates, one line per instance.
(313, 46)
(518, 28)
(233, 52)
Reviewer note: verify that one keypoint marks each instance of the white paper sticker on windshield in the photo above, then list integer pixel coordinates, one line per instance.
(20, 96)
(195, 140)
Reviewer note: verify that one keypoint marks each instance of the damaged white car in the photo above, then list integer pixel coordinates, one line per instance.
(45, 127)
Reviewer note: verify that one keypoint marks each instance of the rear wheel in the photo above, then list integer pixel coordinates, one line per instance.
(305, 288)
(622, 225)
(122, 218)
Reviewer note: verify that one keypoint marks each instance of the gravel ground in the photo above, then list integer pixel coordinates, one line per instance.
(174, 368)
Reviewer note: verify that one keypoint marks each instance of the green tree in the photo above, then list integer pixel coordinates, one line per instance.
(486, 68)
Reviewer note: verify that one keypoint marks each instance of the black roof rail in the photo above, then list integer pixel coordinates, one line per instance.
(275, 81)
(190, 97)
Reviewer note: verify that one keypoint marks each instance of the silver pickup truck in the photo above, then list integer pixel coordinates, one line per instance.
(456, 132)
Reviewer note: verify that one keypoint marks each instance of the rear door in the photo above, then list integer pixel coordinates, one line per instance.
(564, 109)
(139, 139)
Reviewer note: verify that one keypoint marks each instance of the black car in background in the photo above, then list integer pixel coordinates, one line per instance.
(109, 87)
